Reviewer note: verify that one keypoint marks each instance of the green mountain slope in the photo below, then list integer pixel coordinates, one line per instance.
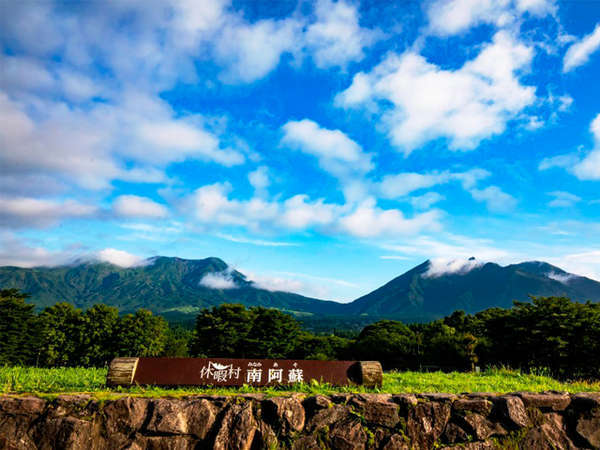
(163, 285)
(173, 287)
(419, 294)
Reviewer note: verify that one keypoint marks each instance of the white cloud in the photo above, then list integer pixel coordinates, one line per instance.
(425, 201)
(337, 153)
(251, 51)
(277, 284)
(446, 247)
(336, 38)
(584, 263)
(369, 221)
(260, 242)
(16, 212)
(218, 280)
(176, 140)
(211, 205)
(300, 213)
(563, 199)
(563, 278)
(495, 198)
(418, 101)
(579, 53)
(16, 252)
(564, 161)
(589, 167)
(300, 283)
(439, 267)
(120, 258)
(89, 146)
(259, 179)
(135, 206)
(448, 17)
(584, 167)
(394, 186)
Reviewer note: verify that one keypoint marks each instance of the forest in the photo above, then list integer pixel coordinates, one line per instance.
(553, 335)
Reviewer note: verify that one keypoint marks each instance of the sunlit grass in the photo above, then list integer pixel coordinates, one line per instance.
(49, 382)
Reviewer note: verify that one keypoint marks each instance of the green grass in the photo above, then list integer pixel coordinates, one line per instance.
(49, 382)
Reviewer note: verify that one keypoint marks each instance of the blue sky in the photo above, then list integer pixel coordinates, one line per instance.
(319, 147)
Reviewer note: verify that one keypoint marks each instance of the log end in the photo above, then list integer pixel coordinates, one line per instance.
(121, 371)
(371, 373)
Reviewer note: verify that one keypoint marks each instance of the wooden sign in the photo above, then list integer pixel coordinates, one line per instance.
(237, 372)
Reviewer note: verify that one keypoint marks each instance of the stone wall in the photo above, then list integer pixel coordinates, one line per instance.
(474, 421)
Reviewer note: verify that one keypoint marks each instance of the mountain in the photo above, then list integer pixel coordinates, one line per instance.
(178, 288)
(164, 285)
(430, 291)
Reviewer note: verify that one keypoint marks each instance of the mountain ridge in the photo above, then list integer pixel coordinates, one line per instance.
(178, 285)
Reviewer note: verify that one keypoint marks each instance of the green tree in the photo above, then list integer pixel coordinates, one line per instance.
(388, 341)
(222, 331)
(61, 330)
(98, 344)
(17, 328)
(141, 334)
(273, 334)
(179, 340)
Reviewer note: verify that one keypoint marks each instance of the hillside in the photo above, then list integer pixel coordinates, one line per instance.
(163, 285)
(421, 293)
(174, 287)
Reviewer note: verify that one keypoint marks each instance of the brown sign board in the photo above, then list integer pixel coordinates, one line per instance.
(239, 372)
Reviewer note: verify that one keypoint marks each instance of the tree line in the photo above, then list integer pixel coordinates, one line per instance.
(550, 333)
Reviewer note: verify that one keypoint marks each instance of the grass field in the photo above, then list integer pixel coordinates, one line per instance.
(19, 380)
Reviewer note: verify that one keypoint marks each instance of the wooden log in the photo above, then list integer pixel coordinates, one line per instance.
(238, 372)
(372, 373)
(121, 371)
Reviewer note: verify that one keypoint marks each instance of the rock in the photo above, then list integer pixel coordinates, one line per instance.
(306, 443)
(550, 434)
(588, 427)
(341, 398)
(286, 415)
(348, 435)
(426, 422)
(479, 405)
(396, 442)
(405, 401)
(238, 428)
(25, 406)
(551, 401)
(122, 419)
(165, 443)
(16, 416)
(586, 400)
(377, 438)
(175, 416)
(326, 417)
(75, 405)
(167, 417)
(266, 437)
(438, 397)
(201, 416)
(454, 434)
(68, 433)
(379, 413)
(316, 403)
(125, 415)
(364, 398)
(513, 410)
(478, 426)
(358, 421)
(487, 445)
